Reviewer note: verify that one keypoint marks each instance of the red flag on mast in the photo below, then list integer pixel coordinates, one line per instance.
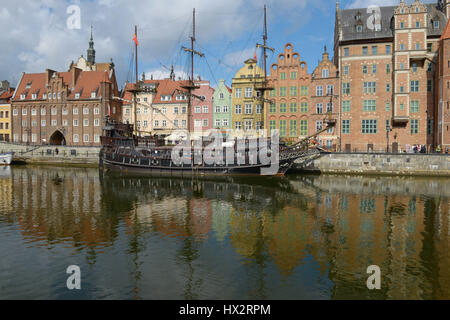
(256, 58)
(135, 39)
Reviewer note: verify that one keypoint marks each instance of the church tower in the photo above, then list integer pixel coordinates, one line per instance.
(91, 51)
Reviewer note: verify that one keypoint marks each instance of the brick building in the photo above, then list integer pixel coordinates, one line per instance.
(324, 101)
(443, 112)
(389, 71)
(288, 110)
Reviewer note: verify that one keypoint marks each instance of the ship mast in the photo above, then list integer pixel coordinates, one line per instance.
(265, 87)
(137, 85)
(191, 86)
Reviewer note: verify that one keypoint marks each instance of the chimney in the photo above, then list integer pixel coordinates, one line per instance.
(75, 75)
(49, 74)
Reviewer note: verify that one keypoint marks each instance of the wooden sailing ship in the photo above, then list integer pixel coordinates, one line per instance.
(124, 149)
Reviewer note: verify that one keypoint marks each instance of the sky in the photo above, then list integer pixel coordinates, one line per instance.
(39, 35)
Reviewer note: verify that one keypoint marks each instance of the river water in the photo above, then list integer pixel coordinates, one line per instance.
(298, 237)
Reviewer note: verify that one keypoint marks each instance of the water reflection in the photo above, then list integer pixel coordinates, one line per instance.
(236, 238)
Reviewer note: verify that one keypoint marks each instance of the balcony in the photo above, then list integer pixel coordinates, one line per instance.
(400, 120)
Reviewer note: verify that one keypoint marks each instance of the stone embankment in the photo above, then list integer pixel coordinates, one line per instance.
(86, 156)
(405, 164)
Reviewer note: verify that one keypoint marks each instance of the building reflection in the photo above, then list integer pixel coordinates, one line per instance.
(345, 224)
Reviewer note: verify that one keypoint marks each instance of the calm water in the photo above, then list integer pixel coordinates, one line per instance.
(300, 237)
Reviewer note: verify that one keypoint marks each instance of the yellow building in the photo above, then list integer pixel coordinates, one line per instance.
(248, 112)
(5, 115)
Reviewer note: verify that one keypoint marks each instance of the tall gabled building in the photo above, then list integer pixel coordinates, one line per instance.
(389, 66)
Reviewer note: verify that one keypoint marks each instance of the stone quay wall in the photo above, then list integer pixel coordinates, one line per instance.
(404, 164)
(47, 154)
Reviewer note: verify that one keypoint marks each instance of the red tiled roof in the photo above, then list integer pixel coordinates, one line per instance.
(446, 33)
(86, 83)
(6, 95)
(164, 87)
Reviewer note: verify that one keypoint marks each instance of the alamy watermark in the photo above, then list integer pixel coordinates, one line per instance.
(74, 281)
(217, 150)
(374, 281)
(374, 20)
(74, 19)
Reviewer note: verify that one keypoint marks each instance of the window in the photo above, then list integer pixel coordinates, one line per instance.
(359, 28)
(97, 123)
(415, 86)
(225, 109)
(164, 123)
(85, 138)
(293, 75)
(205, 109)
(273, 93)
(238, 109)
(430, 126)
(15, 112)
(436, 24)
(238, 125)
(388, 106)
(75, 111)
(43, 123)
(183, 123)
(374, 50)
(370, 87)
(272, 126)
(75, 122)
(304, 91)
(272, 108)
(293, 128)
(319, 108)
(319, 91)
(282, 128)
(388, 49)
(248, 108)
(346, 88)
(248, 125)
(283, 76)
(248, 92)
(388, 87)
(293, 91)
(346, 70)
(414, 67)
(346, 106)
(325, 73)
(330, 107)
(156, 123)
(22, 97)
(414, 106)
(374, 69)
(345, 126)
(54, 122)
(175, 110)
(369, 126)
(402, 47)
(293, 107)
(258, 109)
(303, 127)
(283, 92)
(86, 122)
(225, 122)
(402, 66)
(238, 93)
(430, 67)
(283, 108)
(414, 126)
(218, 109)
(402, 25)
(369, 105)
(429, 47)
(217, 123)
(319, 125)
(34, 138)
(330, 90)
(43, 111)
(402, 89)
(86, 110)
(364, 69)
(417, 45)
(24, 112)
(346, 52)
(304, 107)
(65, 123)
(388, 68)
(175, 123)
(402, 106)
(93, 95)
(24, 123)
(183, 110)
(34, 96)
(364, 50)
(221, 96)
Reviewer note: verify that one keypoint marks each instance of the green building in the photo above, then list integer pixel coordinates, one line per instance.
(222, 106)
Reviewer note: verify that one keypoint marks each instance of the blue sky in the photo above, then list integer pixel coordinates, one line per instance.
(226, 32)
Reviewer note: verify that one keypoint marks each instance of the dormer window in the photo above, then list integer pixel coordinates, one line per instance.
(166, 98)
(34, 96)
(359, 28)
(93, 94)
(436, 24)
(59, 95)
(325, 73)
(77, 95)
(358, 16)
(402, 25)
(44, 96)
(22, 97)
(54, 95)
(28, 85)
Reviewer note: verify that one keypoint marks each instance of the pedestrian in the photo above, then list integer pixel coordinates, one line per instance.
(438, 149)
(423, 149)
(56, 151)
(415, 149)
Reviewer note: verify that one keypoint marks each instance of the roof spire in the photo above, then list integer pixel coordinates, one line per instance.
(91, 50)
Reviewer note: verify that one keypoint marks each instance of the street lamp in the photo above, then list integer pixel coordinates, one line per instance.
(28, 130)
(388, 130)
(330, 112)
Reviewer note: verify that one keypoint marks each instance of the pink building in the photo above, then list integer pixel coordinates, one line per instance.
(202, 110)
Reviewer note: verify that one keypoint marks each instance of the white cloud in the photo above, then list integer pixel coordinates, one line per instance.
(36, 35)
